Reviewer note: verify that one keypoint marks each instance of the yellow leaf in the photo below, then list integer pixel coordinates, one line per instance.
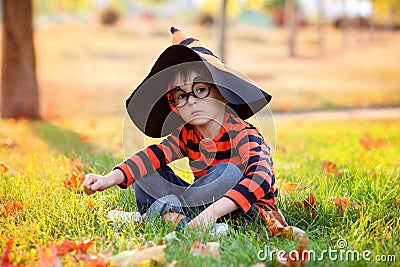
(142, 257)
(286, 188)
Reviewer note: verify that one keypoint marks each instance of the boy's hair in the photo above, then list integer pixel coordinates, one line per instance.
(184, 73)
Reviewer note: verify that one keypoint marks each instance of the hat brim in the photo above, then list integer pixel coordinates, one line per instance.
(150, 111)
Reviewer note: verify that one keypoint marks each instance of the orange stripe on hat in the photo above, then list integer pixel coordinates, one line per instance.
(179, 38)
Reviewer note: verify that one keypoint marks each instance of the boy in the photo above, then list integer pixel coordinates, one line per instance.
(201, 105)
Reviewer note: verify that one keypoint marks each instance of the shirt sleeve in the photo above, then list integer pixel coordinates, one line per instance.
(258, 173)
(150, 159)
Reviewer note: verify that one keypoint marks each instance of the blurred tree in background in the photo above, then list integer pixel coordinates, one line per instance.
(19, 89)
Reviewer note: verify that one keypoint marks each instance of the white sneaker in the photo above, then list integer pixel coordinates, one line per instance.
(219, 229)
(125, 216)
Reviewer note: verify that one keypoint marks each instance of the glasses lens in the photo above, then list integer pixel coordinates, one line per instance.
(179, 97)
(201, 90)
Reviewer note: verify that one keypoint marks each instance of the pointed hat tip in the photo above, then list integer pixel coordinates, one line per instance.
(173, 30)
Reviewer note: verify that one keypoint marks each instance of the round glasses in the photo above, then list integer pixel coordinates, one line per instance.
(178, 97)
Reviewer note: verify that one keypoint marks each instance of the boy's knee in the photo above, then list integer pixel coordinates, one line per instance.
(227, 168)
(164, 205)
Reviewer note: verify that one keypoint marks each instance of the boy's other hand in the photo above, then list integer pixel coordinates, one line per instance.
(94, 182)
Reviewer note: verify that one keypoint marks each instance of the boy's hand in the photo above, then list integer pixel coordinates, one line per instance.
(96, 183)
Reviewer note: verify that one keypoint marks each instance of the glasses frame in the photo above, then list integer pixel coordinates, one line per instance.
(191, 93)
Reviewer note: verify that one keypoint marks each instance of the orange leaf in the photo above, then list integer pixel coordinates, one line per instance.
(91, 203)
(277, 225)
(65, 247)
(12, 208)
(298, 258)
(5, 258)
(199, 249)
(368, 143)
(85, 137)
(286, 188)
(343, 203)
(329, 167)
(48, 256)
(75, 181)
(98, 262)
(310, 204)
(4, 168)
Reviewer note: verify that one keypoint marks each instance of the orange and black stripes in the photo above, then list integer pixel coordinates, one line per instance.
(238, 143)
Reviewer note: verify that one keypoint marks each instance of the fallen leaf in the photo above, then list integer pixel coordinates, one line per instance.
(343, 203)
(4, 168)
(9, 143)
(368, 143)
(48, 256)
(75, 181)
(91, 203)
(199, 249)
(65, 247)
(329, 167)
(5, 258)
(277, 225)
(310, 204)
(298, 257)
(287, 188)
(99, 262)
(85, 137)
(140, 257)
(171, 264)
(396, 202)
(12, 208)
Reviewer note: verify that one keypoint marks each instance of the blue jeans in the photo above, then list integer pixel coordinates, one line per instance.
(163, 191)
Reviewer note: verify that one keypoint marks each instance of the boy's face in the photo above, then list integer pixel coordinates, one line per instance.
(199, 111)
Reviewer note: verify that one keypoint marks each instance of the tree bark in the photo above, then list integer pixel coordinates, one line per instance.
(221, 25)
(19, 88)
(290, 21)
(321, 29)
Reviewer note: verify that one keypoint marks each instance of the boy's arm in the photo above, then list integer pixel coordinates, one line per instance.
(258, 175)
(213, 212)
(149, 160)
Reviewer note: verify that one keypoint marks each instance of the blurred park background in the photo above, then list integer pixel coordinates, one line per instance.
(309, 54)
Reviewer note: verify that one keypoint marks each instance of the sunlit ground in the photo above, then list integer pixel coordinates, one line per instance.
(86, 72)
(94, 69)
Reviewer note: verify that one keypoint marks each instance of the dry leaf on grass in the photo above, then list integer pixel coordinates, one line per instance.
(9, 143)
(12, 208)
(48, 256)
(344, 203)
(142, 257)
(329, 167)
(295, 258)
(277, 225)
(5, 168)
(368, 143)
(199, 249)
(287, 188)
(5, 258)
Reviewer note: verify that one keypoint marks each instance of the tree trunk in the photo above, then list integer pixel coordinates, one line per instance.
(344, 27)
(321, 26)
(220, 24)
(19, 89)
(290, 21)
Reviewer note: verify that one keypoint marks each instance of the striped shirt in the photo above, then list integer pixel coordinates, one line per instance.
(238, 142)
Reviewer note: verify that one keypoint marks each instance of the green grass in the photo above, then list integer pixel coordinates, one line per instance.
(41, 158)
